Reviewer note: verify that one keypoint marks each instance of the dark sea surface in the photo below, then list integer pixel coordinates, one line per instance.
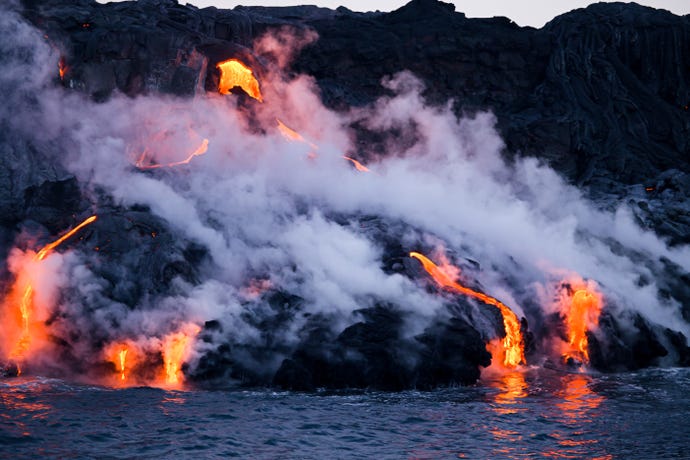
(533, 414)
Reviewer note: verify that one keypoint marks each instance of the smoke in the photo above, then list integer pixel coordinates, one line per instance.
(274, 215)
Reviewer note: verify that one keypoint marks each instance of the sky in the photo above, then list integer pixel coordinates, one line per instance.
(533, 12)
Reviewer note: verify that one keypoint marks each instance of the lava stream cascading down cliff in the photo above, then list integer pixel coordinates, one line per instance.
(512, 345)
(21, 350)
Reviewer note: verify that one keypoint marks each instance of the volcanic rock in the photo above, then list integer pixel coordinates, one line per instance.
(601, 94)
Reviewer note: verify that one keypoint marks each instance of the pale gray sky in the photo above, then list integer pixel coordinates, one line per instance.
(533, 12)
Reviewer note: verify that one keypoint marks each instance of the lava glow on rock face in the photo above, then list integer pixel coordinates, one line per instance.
(234, 73)
(21, 298)
(293, 136)
(581, 309)
(62, 68)
(141, 162)
(358, 166)
(176, 348)
(122, 355)
(512, 344)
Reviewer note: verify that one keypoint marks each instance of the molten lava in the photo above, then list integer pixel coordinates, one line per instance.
(48, 248)
(234, 73)
(581, 310)
(512, 344)
(294, 136)
(203, 148)
(176, 348)
(24, 286)
(359, 166)
(122, 355)
(62, 68)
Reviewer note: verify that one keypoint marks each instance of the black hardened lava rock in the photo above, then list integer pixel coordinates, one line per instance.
(601, 94)
(374, 353)
(617, 347)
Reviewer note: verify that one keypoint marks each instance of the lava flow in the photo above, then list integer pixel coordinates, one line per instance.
(62, 68)
(234, 73)
(581, 310)
(122, 355)
(48, 248)
(512, 343)
(24, 285)
(176, 348)
(292, 135)
(358, 166)
(203, 148)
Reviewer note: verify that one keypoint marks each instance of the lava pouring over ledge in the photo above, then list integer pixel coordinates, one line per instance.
(233, 73)
(512, 343)
(581, 310)
(122, 355)
(203, 148)
(293, 136)
(176, 348)
(26, 303)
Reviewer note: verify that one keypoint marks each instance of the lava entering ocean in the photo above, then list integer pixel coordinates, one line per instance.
(580, 305)
(22, 296)
(512, 345)
(295, 273)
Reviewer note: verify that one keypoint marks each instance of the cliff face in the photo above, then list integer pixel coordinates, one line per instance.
(600, 94)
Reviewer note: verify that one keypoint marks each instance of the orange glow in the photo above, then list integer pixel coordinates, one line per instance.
(577, 408)
(512, 344)
(123, 356)
(176, 348)
(288, 133)
(62, 68)
(22, 295)
(294, 136)
(200, 150)
(359, 166)
(256, 288)
(234, 73)
(581, 310)
(48, 248)
(513, 388)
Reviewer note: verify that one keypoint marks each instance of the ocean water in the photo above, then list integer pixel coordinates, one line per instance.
(533, 414)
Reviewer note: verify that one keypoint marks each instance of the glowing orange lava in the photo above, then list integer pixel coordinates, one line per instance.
(581, 310)
(176, 348)
(234, 73)
(292, 135)
(62, 68)
(359, 166)
(122, 355)
(25, 301)
(48, 248)
(203, 148)
(512, 344)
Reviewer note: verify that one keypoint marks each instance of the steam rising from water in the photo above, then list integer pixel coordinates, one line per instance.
(266, 209)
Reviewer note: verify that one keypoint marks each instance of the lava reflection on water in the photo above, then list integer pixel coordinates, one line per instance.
(576, 409)
(513, 388)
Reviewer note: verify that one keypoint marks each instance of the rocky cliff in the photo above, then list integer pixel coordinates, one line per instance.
(599, 94)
